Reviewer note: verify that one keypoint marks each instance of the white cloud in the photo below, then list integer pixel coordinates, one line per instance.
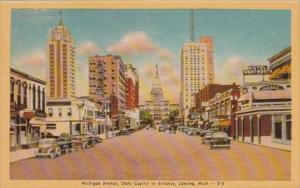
(88, 48)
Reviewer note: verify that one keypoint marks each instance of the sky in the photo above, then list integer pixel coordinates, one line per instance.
(148, 37)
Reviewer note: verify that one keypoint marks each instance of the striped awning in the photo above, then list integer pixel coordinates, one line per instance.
(279, 72)
(225, 123)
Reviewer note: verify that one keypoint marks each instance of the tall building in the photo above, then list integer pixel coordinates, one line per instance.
(107, 81)
(159, 107)
(61, 63)
(132, 87)
(197, 70)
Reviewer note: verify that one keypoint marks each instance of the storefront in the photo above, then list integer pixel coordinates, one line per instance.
(264, 116)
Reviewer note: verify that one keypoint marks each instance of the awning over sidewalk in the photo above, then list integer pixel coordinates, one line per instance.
(225, 123)
(37, 122)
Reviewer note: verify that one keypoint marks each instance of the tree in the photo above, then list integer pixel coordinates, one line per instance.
(172, 115)
(146, 117)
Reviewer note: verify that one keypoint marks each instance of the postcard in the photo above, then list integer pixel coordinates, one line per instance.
(149, 94)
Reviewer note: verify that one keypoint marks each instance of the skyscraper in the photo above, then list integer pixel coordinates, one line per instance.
(61, 63)
(197, 70)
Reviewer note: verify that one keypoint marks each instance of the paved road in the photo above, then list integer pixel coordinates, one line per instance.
(150, 155)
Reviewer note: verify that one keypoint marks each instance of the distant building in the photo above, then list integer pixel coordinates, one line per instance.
(27, 109)
(76, 116)
(197, 70)
(159, 107)
(208, 92)
(132, 87)
(107, 82)
(61, 63)
(174, 107)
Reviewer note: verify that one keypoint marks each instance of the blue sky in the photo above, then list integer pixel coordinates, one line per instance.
(240, 37)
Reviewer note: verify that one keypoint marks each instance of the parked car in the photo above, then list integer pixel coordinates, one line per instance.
(112, 134)
(193, 131)
(65, 143)
(97, 139)
(130, 130)
(161, 128)
(88, 140)
(207, 138)
(47, 135)
(48, 147)
(77, 143)
(220, 139)
(123, 132)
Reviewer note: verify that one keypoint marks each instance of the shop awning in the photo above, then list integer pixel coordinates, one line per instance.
(225, 123)
(277, 73)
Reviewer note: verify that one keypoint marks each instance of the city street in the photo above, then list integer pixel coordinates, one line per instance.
(153, 155)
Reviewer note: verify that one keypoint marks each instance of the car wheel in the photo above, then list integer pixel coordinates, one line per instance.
(52, 155)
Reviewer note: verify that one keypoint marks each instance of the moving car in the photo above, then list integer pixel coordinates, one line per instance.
(48, 147)
(220, 139)
(207, 138)
(172, 129)
(112, 134)
(161, 128)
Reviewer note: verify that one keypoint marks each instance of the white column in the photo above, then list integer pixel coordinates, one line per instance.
(251, 126)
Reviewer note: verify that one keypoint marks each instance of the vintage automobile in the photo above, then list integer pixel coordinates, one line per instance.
(77, 143)
(112, 134)
(207, 138)
(193, 131)
(172, 129)
(47, 135)
(123, 132)
(220, 139)
(65, 143)
(97, 139)
(162, 128)
(48, 147)
(88, 140)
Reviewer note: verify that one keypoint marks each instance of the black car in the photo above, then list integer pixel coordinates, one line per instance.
(88, 140)
(220, 139)
(172, 129)
(47, 135)
(65, 143)
(124, 132)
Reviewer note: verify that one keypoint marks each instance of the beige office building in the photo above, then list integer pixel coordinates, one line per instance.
(197, 70)
(61, 63)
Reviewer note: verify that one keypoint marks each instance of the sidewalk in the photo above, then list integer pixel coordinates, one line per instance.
(21, 154)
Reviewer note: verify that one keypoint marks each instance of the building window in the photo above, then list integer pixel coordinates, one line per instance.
(278, 130)
(288, 127)
(59, 112)
(50, 126)
(69, 111)
(50, 112)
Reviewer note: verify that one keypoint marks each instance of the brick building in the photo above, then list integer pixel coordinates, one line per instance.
(107, 82)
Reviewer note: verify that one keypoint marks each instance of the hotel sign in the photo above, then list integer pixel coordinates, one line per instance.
(257, 70)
